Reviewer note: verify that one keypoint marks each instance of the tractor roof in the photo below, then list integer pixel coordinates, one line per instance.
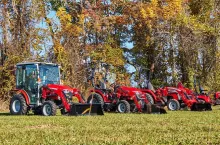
(45, 63)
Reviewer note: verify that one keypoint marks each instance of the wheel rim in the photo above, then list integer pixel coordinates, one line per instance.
(47, 110)
(173, 105)
(16, 106)
(150, 99)
(121, 107)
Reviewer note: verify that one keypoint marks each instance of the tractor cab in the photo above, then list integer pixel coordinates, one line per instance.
(38, 88)
(31, 76)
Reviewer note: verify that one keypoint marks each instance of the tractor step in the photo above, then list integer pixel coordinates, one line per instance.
(86, 109)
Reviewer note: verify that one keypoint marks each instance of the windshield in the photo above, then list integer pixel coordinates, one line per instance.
(49, 74)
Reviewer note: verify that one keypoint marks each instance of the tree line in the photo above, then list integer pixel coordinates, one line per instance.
(179, 37)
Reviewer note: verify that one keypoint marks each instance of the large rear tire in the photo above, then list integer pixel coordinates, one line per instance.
(18, 105)
(49, 108)
(95, 98)
(150, 98)
(123, 107)
(173, 105)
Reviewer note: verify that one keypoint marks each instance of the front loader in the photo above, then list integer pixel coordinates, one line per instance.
(38, 88)
(115, 97)
(173, 97)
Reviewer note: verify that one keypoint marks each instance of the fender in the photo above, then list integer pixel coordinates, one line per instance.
(100, 93)
(26, 96)
(217, 95)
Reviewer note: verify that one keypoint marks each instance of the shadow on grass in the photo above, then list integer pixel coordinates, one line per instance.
(8, 114)
(5, 114)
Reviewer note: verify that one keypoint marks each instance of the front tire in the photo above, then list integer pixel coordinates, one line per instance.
(173, 105)
(49, 108)
(123, 106)
(150, 98)
(18, 105)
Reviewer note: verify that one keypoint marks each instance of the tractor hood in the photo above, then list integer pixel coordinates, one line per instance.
(172, 90)
(129, 91)
(204, 97)
(68, 91)
(62, 88)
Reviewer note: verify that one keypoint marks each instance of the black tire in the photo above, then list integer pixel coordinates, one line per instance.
(123, 106)
(173, 105)
(49, 108)
(150, 98)
(18, 105)
(96, 99)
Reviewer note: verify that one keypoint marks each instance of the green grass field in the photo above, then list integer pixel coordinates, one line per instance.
(181, 127)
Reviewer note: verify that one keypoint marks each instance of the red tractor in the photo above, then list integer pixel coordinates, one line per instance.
(217, 98)
(152, 95)
(181, 97)
(201, 96)
(174, 98)
(38, 88)
(119, 98)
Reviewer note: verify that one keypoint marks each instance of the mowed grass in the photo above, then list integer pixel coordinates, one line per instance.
(180, 127)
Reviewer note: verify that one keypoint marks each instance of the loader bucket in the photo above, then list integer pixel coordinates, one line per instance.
(201, 107)
(86, 109)
(153, 109)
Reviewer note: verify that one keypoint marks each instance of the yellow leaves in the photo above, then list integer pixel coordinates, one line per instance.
(67, 26)
(148, 38)
(154, 3)
(60, 53)
(172, 8)
(149, 11)
(109, 53)
(63, 15)
(81, 18)
(192, 22)
(143, 13)
(114, 56)
(58, 47)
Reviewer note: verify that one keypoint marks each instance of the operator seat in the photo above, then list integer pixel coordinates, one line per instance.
(32, 82)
